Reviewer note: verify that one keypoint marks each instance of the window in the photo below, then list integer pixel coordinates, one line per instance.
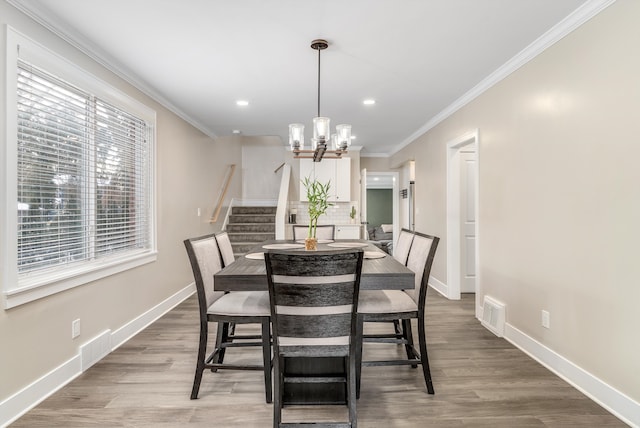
(80, 167)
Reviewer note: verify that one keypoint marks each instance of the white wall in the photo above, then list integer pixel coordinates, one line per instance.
(260, 158)
(559, 196)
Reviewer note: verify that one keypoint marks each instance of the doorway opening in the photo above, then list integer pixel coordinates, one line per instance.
(462, 217)
(381, 190)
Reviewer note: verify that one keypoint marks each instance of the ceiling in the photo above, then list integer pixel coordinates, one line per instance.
(198, 57)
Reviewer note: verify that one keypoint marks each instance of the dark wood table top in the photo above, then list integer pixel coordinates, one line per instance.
(377, 274)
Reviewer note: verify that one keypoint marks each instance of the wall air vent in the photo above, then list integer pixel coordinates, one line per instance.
(96, 349)
(493, 316)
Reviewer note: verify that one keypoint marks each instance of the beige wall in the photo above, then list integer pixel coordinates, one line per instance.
(375, 164)
(35, 338)
(559, 194)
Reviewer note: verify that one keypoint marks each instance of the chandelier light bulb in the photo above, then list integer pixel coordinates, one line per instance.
(344, 136)
(296, 136)
(321, 128)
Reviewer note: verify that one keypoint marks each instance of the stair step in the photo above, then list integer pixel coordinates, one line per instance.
(253, 210)
(252, 218)
(251, 227)
(255, 237)
(243, 248)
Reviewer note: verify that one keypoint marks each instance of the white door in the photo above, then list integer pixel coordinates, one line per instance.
(467, 223)
(462, 200)
(363, 199)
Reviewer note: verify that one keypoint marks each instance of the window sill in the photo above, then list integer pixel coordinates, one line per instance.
(43, 285)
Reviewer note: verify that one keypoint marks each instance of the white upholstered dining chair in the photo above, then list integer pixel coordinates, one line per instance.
(403, 305)
(225, 309)
(401, 248)
(226, 249)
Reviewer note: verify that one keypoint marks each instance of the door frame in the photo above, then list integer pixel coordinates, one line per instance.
(467, 141)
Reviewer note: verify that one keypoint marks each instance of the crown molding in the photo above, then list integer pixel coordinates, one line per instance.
(43, 17)
(574, 20)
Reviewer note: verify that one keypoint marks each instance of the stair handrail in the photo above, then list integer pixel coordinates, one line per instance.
(229, 211)
(283, 201)
(223, 192)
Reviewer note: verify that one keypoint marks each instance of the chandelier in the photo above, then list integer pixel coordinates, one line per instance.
(322, 137)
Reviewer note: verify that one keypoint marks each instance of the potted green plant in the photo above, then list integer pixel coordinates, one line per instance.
(318, 196)
(352, 214)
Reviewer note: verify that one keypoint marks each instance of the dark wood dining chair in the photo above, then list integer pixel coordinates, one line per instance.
(403, 305)
(323, 231)
(227, 330)
(313, 298)
(403, 245)
(400, 253)
(225, 309)
(226, 249)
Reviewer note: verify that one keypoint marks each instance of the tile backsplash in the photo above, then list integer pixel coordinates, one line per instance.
(336, 214)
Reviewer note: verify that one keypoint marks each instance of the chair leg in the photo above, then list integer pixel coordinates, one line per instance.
(396, 328)
(232, 328)
(423, 355)
(358, 356)
(221, 337)
(266, 358)
(407, 334)
(202, 354)
(351, 390)
(278, 368)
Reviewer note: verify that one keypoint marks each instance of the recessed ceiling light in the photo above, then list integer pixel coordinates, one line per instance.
(242, 103)
(235, 131)
(369, 102)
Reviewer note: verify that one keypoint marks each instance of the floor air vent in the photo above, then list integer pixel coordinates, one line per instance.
(95, 350)
(493, 316)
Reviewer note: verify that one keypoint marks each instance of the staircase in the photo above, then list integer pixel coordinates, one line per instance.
(248, 226)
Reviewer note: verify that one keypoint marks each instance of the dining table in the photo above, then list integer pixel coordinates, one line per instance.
(380, 271)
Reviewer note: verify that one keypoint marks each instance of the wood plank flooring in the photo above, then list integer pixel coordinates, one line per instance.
(480, 381)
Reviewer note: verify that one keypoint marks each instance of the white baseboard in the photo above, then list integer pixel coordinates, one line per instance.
(135, 326)
(31, 395)
(439, 286)
(619, 404)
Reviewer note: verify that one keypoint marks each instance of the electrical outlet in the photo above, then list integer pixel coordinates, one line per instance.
(546, 320)
(199, 213)
(75, 328)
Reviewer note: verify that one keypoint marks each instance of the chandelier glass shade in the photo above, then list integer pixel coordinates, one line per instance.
(323, 143)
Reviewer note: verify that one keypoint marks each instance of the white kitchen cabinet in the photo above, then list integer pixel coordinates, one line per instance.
(348, 231)
(338, 171)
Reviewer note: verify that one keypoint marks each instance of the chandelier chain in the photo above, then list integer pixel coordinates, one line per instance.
(319, 50)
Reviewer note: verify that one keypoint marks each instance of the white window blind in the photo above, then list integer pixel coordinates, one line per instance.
(83, 175)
